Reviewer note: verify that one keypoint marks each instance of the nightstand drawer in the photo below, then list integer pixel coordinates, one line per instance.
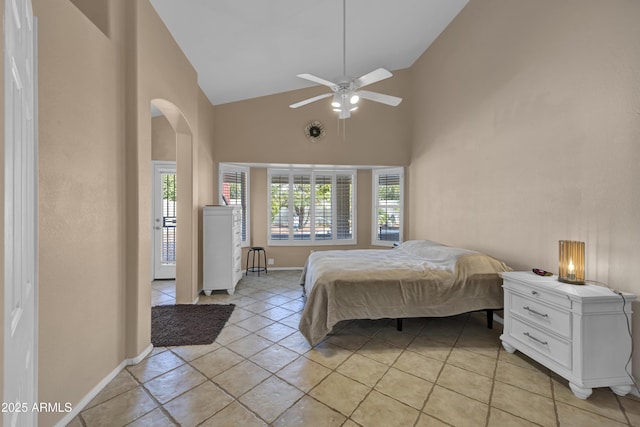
(555, 349)
(538, 293)
(545, 315)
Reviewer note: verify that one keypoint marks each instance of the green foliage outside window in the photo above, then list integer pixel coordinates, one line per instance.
(169, 187)
(389, 192)
(301, 199)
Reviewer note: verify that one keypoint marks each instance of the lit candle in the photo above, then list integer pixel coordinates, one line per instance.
(571, 270)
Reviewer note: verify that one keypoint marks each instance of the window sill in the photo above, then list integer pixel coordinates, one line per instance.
(312, 242)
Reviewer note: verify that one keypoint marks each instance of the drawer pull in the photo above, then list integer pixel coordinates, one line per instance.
(535, 312)
(528, 335)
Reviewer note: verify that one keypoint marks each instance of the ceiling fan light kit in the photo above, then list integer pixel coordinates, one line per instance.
(346, 93)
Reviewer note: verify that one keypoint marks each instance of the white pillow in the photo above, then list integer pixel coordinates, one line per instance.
(436, 254)
(417, 245)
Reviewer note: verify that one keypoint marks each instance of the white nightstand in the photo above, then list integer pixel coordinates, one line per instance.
(578, 331)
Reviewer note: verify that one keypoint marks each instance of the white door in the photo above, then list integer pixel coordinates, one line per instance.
(164, 220)
(20, 215)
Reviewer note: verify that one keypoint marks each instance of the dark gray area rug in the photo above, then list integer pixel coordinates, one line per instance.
(188, 324)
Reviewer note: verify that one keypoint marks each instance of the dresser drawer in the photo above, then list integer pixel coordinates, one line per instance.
(555, 349)
(538, 293)
(542, 314)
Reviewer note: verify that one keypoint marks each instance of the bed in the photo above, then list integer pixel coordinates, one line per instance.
(419, 278)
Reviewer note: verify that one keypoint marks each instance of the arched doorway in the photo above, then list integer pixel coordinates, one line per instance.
(186, 207)
(139, 223)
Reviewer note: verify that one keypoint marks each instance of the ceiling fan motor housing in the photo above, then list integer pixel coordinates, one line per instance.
(345, 98)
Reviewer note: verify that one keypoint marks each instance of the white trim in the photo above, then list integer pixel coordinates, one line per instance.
(36, 192)
(374, 205)
(139, 358)
(102, 384)
(164, 163)
(281, 243)
(308, 166)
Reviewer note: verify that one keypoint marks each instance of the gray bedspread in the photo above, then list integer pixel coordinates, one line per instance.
(411, 281)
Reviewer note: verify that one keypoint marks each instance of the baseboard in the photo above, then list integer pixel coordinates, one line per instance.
(498, 318)
(102, 384)
(140, 357)
(284, 268)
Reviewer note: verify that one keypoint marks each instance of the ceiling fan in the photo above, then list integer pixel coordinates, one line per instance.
(346, 92)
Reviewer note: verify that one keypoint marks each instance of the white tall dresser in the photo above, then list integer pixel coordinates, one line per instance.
(581, 332)
(221, 248)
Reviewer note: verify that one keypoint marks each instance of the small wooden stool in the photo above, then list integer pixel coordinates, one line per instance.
(259, 250)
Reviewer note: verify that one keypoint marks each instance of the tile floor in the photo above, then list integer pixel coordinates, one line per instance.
(261, 371)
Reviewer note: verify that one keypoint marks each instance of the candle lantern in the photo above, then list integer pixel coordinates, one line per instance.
(571, 268)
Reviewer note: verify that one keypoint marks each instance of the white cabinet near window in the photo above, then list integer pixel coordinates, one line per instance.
(221, 248)
(581, 332)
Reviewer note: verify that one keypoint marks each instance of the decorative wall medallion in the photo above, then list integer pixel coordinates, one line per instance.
(314, 131)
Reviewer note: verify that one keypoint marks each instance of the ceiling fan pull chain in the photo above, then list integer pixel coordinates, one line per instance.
(344, 131)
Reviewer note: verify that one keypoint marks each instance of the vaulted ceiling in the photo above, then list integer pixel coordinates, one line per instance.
(244, 49)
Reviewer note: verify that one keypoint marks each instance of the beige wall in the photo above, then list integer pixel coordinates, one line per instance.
(266, 130)
(207, 178)
(95, 133)
(163, 140)
(81, 204)
(526, 132)
(159, 73)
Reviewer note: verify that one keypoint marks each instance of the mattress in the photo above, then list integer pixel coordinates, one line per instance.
(420, 278)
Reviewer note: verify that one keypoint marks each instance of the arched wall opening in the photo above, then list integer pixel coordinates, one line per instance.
(140, 224)
(186, 239)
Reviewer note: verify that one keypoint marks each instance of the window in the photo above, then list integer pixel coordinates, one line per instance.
(387, 206)
(311, 207)
(234, 188)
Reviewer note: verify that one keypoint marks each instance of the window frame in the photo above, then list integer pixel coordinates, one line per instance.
(312, 173)
(227, 167)
(375, 179)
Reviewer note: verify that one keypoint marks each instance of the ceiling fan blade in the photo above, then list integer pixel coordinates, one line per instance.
(317, 79)
(373, 77)
(310, 100)
(380, 97)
